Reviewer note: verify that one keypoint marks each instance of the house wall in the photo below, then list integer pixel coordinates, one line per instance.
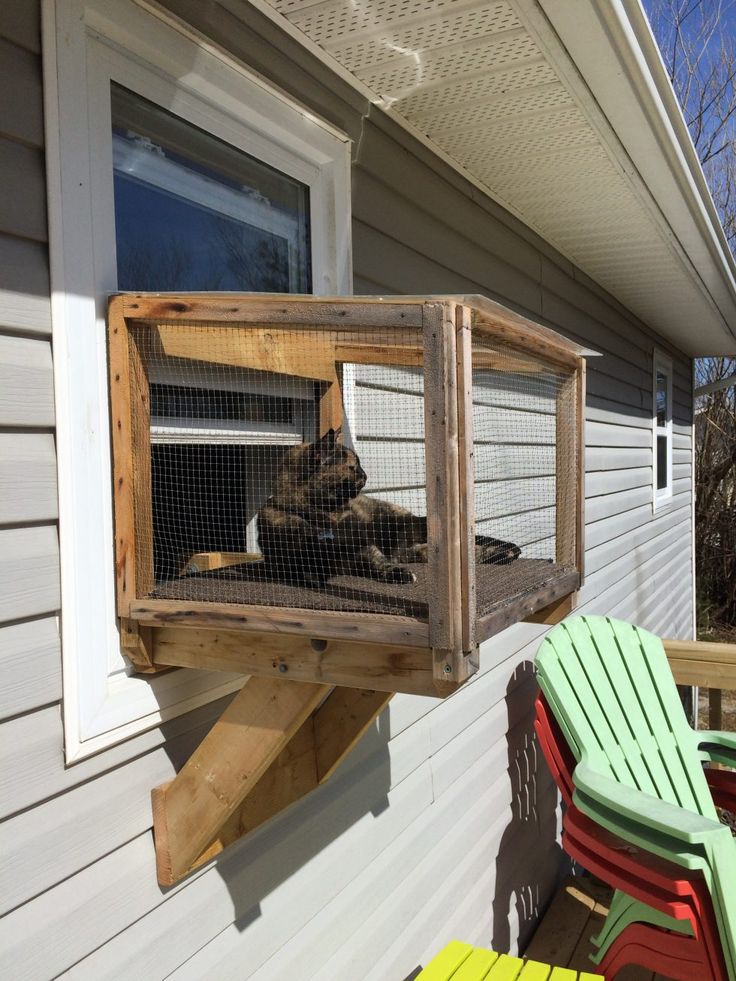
(443, 821)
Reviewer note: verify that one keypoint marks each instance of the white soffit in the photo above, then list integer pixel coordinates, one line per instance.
(558, 109)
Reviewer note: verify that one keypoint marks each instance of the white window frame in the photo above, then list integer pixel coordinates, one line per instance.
(88, 44)
(662, 364)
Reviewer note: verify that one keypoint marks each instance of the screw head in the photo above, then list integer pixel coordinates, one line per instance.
(447, 669)
(283, 668)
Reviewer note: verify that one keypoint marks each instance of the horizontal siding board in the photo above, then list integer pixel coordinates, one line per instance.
(380, 156)
(381, 414)
(604, 434)
(20, 22)
(30, 666)
(606, 505)
(32, 761)
(625, 565)
(614, 584)
(27, 478)
(600, 556)
(389, 212)
(96, 818)
(23, 201)
(21, 117)
(26, 383)
(601, 482)
(29, 572)
(311, 949)
(256, 41)
(25, 302)
(293, 866)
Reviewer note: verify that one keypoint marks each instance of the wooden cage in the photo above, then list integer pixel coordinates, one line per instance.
(470, 367)
(468, 417)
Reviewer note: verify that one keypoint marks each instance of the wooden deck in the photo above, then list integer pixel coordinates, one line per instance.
(576, 913)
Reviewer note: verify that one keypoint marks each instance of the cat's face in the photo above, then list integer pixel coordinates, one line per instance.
(332, 473)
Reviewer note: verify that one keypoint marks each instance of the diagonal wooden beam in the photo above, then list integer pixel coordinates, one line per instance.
(341, 721)
(226, 767)
(189, 811)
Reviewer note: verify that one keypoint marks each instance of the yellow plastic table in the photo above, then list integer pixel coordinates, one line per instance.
(461, 962)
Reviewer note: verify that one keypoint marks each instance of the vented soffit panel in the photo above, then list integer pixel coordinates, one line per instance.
(562, 112)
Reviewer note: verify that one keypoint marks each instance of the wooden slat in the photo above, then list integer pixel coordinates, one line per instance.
(554, 612)
(311, 756)
(708, 665)
(521, 609)
(370, 628)
(297, 353)
(343, 312)
(443, 493)
(341, 721)
(566, 472)
(330, 404)
(580, 463)
(122, 455)
(528, 337)
(715, 708)
(464, 349)
(250, 734)
(557, 936)
(137, 644)
(291, 776)
(344, 663)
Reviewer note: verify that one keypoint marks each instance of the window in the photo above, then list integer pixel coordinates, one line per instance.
(170, 168)
(662, 419)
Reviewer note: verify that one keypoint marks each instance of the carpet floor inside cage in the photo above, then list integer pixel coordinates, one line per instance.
(497, 587)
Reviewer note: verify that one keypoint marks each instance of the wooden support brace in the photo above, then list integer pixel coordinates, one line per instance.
(137, 644)
(276, 742)
(241, 746)
(554, 612)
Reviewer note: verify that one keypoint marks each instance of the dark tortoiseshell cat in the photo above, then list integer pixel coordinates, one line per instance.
(317, 523)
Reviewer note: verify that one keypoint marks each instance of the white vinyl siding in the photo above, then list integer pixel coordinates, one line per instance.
(362, 879)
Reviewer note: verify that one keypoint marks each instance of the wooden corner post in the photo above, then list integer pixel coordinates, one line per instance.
(443, 495)
(466, 470)
(276, 741)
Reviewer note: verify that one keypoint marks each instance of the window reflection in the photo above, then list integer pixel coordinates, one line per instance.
(193, 213)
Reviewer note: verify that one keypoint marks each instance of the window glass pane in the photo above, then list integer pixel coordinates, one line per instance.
(176, 401)
(662, 480)
(662, 407)
(194, 213)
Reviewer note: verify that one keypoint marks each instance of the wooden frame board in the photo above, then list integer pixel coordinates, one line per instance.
(434, 332)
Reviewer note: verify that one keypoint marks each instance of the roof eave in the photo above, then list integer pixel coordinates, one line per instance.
(611, 45)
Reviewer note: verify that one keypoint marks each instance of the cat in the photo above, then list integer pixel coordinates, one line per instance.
(318, 523)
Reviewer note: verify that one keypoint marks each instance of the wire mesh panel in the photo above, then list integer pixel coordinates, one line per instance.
(524, 437)
(287, 466)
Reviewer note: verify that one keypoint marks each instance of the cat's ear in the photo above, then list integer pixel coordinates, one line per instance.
(327, 443)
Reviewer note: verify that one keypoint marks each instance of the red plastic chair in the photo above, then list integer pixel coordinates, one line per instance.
(655, 882)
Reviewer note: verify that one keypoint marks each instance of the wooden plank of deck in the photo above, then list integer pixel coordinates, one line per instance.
(577, 913)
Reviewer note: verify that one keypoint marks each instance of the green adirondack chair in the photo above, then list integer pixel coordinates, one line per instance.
(639, 771)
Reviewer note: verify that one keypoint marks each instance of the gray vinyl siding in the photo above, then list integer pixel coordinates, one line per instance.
(429, 830)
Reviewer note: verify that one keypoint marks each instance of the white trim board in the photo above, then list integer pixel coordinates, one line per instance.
(117, 40)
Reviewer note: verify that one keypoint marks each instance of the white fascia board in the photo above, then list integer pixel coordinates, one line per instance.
(611, 45)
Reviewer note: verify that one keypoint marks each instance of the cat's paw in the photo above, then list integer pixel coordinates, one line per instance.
(399, 574)
(500, 553)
